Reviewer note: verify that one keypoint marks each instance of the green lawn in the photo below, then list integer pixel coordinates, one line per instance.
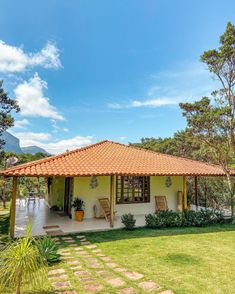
(190, 260)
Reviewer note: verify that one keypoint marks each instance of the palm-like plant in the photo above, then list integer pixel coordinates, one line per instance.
(21, 262)
(48, 249)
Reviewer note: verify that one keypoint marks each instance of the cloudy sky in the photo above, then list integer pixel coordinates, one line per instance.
(84, 71)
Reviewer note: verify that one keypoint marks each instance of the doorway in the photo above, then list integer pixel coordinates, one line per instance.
(68, 196)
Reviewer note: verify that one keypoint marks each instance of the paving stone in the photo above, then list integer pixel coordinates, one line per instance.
(73, 245)
(133, 275)
(100, 254)
(56, 271)
(73, 262)
(106, 258)
(92, 288)
(127, 291)
(85, 243)
(61, 277)
(167, 292)
(68, 292)
(105, 274)
(120, 269)
(149, 286)
(80, 237)
(58, 285)
(75, 268)
(64, 250)
(78, 249)
(82, 273)
(66, 253)
(92, 246)
(97, 251)
(116, 282)
(112, 264)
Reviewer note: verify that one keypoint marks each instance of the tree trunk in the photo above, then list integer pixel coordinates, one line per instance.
(18, 284)
(231, 191)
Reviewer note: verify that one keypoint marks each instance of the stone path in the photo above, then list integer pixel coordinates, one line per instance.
(85, 269)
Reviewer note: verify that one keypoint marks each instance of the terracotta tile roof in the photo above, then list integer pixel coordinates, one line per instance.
(107, 158)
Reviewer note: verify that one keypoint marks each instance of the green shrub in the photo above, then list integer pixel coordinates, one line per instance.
(48, 249)
(128, 221)
(187, 218)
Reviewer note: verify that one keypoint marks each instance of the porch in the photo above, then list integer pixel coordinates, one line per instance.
(43, 221)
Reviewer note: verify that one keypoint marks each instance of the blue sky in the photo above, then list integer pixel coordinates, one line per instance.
(85, 71)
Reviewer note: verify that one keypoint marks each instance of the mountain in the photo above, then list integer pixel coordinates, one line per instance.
(12, 144)
(33, 150)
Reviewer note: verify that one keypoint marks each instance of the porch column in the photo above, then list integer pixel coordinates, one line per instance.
(196, 192)
(185, 192)
(111, 200)
(13, 208)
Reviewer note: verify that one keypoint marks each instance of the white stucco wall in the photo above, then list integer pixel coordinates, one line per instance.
(157, 188)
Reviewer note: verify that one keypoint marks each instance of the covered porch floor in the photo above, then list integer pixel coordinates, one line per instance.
(39, 216)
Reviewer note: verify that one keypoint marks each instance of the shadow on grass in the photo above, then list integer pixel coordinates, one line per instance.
(4, 224)
(182, 259)
(122, 234)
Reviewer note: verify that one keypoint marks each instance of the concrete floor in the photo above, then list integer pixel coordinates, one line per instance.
(39, 215)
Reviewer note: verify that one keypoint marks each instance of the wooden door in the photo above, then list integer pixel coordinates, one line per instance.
(68, 196)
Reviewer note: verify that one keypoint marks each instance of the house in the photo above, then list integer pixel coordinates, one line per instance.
(130, 177)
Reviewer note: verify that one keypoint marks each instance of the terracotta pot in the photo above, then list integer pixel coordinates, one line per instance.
(79, 215)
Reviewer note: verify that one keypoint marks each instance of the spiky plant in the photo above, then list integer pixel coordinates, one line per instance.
(22, 263)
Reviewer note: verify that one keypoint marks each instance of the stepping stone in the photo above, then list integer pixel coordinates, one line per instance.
(54, 278)
(116, 282)
(73, 262)
(82, 273)
(120, 269)
(85, 243)
(149, 286)
(68, 292)
(56, 271)
(82, 252)
(97, 251)
(75, 268)
(91, 246)
(80, 237)
(71, 241)
(133, 275)
(78, 249)
(105, 274)
(73, 245)
(92, 288)
(58, 285)
(100, 254)
(127, 291)
(64, 250)
(106, 258)
(66, 253)
(67, 238)
(167, 292)
(112, 264)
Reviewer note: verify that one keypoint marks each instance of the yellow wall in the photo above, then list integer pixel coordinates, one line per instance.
(56, 196)
(157, 187)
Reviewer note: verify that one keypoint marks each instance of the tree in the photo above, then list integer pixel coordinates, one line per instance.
(6, 106)
(211, 121)
(21, 262)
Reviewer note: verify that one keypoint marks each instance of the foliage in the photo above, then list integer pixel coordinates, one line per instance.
(6, 106)
(22, 263)
(54, 208)
(212, 121)
(78, 204)
(128, 221)
(186, 218)
(48, 249)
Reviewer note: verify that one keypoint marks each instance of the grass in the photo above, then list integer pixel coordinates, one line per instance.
(185, 260)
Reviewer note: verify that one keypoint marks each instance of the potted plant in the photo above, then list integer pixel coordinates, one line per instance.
(78, 205)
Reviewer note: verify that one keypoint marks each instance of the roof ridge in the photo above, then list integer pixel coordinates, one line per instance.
(53, 157)
(165, 154)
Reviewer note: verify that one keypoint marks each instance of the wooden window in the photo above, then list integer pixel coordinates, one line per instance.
(132, 189)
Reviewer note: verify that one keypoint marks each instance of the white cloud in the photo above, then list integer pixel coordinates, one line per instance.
(153, 103)
(14, 59)
(57, 128)
(187, 82)
(43, 140)
(123, 138)
(21, 124)
(32, 101)
(31, 138)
